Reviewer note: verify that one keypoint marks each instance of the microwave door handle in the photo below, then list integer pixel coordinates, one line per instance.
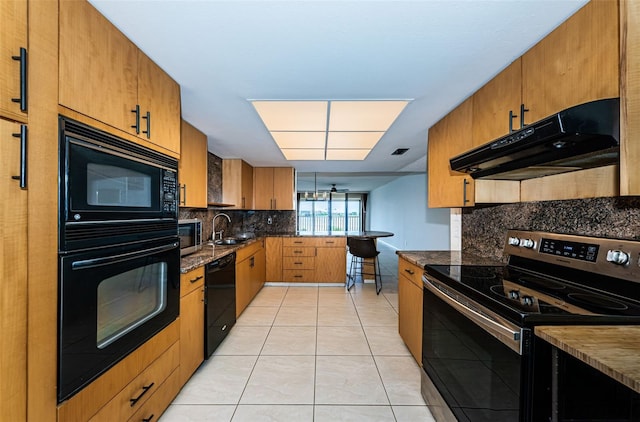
(506, 335)
(97, 262)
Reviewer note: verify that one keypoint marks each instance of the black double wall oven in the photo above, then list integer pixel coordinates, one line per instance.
(119, 253)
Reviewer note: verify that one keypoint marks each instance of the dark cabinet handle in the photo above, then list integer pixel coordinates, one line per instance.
(144, 391)
(252, 261)
(147, 117)
(511, 117)
(522, 111)
(23, 156)
(297, 263)
(22, 58)
(297, 251)
(297, 276)
(409, 271)
(193, 280)
(136, 126)
(149, 418)
(465, 182)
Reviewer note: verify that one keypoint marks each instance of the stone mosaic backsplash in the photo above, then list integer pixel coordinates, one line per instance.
(484, 228)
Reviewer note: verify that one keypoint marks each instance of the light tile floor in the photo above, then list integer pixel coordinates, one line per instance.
(310, 354)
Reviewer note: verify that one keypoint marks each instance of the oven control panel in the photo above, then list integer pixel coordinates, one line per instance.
(612, 257)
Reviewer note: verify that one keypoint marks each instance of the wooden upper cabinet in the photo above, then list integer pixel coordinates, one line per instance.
(13, 37)
(105, 76)
(237, 183)
(98, 66)
(448, 138)
(576, 63)
(493, 102)
(630, 98)
(273, 188)
(13, 289)
(159, 96)
(192, 170)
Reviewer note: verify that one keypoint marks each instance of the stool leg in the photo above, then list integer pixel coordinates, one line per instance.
(377, 276)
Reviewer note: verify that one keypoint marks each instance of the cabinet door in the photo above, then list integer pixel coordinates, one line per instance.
(273, 252)
(13, 36)
(283, 195)
(243, 285)
(159, 95)
(237, 183)
(410, 316)
(448, 138)
(578, 62)
(263, 188)
(13, 288)
(630, 98)
(258, 272)
(192, 169)
(330, 265)
(98, 66)
(191, 333)
(492, 103)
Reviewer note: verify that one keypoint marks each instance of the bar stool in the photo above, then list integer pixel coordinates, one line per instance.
(364, 261)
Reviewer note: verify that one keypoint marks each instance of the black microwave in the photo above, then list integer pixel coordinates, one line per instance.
(112, 190)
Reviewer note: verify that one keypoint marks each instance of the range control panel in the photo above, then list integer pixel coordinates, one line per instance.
(575, 250)
(613, 257)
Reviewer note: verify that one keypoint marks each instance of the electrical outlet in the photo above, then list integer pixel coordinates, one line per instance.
(269, 220)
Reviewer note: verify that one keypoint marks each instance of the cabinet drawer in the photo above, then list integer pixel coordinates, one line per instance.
(410, 271)
(191, 281)
(138, 391)
(298, 263)
(331, 242)
(158, 403)
(298, 251)
(300, 276)
(94, 396)
(298, 241)
(248, 250)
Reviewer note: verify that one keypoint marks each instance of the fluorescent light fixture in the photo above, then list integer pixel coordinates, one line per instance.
(328, 130)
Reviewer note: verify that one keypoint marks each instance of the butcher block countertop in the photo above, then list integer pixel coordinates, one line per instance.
(613, 350)
(422, 258)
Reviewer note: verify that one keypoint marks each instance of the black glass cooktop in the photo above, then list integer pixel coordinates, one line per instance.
(523, 296)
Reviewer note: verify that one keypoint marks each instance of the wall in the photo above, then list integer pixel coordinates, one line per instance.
(484, 229)
(400, 207)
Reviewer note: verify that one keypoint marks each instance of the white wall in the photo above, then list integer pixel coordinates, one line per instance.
(400, 207)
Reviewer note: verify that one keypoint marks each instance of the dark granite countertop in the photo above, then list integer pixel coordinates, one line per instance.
(422, 258)
(367, 233)
(209, 254)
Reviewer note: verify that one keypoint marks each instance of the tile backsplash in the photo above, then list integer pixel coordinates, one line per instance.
(484, 228)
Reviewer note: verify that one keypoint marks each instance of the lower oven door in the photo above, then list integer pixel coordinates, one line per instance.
(111, 301)
(472, 359)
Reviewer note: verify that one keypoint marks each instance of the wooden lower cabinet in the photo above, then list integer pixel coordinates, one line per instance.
(250, 274)
(410, 307)
(145, 369)
(331, 260)
(273, 252)
(158, 403)
(191, 322)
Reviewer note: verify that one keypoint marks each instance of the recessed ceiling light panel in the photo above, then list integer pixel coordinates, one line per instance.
(303, 154)
(353, 140)
(300, 139)
(293, 115)
(347, 154)
(364, 115)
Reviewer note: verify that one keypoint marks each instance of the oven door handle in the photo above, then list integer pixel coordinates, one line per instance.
(97, 262)
(506, 335)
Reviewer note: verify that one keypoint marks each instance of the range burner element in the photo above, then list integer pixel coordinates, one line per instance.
(541, 282)
(600, 303)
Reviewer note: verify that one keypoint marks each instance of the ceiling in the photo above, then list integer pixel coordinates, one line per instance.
(432, 52)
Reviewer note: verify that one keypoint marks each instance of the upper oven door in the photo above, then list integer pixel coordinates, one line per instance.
(110, 302)
(106, 178)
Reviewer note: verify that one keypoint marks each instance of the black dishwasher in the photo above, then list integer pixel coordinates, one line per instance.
(220, 301)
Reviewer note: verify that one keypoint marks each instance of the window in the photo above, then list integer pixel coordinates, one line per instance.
(339, 212)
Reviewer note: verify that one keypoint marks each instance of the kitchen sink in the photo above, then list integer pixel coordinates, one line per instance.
(228, 241)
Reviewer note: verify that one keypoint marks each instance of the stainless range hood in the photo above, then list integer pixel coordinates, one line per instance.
(584, 136)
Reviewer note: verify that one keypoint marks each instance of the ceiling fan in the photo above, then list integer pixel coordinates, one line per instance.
(335, 190)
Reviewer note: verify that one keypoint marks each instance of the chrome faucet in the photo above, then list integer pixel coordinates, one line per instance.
(213, 225)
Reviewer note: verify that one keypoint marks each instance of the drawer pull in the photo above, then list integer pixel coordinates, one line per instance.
(297, 251)
(297, 241)
(329, 241)
(149, 418)
(193, 280)
(144, 391)
(409, 271)
(297, 276)
(298, 263)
